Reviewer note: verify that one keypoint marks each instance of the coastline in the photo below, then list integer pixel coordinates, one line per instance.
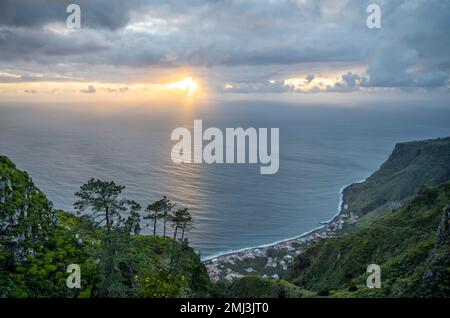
(276, 255)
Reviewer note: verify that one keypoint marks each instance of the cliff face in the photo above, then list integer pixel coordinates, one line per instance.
(26, 216)
(411, 246)
(444, 228)
(403, 227)
(410, 166)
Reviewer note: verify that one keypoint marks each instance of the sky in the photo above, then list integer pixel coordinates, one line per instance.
(140, 49)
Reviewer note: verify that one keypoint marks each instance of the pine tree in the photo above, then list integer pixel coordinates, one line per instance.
(155, 211)
(179, 219)
(167, 211)
(102, 199)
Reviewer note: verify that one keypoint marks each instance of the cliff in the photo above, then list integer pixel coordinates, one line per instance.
(410, 166)
(37, 243)
(411, 245)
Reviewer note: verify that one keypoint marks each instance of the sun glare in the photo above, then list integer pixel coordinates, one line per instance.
(187, 84)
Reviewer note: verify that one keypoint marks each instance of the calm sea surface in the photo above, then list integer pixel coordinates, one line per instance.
(322, 148)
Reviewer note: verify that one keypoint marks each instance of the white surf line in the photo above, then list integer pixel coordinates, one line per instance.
(341, 201)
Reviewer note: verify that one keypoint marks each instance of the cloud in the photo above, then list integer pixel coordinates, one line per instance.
(348, 82)
(389, 67)
(168, 38)
(309, 78)
(115, 90)
(432, 79)
(245, 42)
(49, 47)
(90, 90)
(111, 14)
(275, 86)
(395, 66)
(25, 78)
(351, 80)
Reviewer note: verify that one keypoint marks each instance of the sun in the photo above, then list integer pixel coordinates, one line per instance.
(187, 85)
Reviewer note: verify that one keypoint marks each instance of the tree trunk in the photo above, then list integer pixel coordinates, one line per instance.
(174, 244)
(175, 233)
(108, 225)
(109, 267)
(182, 233)
(109, 262)
(154, 224)
(182, 246)
(165, 215)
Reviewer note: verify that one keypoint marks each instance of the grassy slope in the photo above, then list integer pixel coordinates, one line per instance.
(253, 286)
(403, 244)
(411, 165)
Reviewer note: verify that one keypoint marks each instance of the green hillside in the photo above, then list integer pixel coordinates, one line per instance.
(37, 243)
(412, 246)
(253, 286)
(411, 165)
(403, 226)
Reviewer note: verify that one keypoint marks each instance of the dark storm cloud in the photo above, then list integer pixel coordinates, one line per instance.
(195, 32)
(30, 44)
(244, 38)
(36, 13)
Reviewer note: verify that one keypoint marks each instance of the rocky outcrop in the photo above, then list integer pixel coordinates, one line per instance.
(443, 234)
(26, 216)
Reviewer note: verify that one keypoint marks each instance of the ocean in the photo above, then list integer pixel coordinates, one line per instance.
(322, 148)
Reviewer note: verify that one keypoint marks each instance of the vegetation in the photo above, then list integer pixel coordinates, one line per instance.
(403, 226)
(412, 246)
(103, 200)
(410, 166)
(253, 286)
(37, 243)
